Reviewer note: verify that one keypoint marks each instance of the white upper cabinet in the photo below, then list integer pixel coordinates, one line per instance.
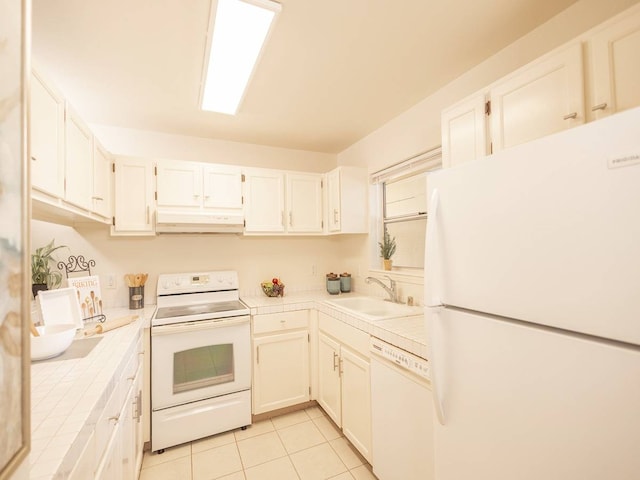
(195, 185)
(464, 131)
(47, 137)
(347, 200)
(283, 202)
(133, 206)
(78, 161)
(264, 196)
(304, 202)
(101, 197)
(69, 169)
(548, 95)
(222, 187)
(179, 184)
(615, 66)
(542, 98)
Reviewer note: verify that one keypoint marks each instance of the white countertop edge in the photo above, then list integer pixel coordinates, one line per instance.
(407, 332)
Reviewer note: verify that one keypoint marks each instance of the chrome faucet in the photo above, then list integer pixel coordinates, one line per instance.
(391, 289)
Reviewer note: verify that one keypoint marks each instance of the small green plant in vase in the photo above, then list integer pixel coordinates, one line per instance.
(387, 249)
(42, 275)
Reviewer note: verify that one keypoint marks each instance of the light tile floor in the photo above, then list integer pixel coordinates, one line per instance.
(303, 445)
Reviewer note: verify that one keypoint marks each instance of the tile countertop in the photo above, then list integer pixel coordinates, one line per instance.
(67, 396)
(408, 333)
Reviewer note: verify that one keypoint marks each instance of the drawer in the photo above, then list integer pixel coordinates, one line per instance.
(277, 322)
(345, 334)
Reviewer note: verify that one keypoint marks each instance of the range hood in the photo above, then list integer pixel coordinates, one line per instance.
(198, 222)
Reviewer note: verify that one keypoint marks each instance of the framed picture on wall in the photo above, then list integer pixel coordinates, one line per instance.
(14, 241)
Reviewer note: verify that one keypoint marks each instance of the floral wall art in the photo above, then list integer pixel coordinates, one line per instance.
(14, 218)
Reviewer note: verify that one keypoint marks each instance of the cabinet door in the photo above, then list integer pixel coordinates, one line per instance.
(133, 196)
(222, 187)
(101, 180)
(138, 430)
(127, 456)
(304, 202)
(356, 401)
(615, 67)
(333, 201)
(540, 99)
(464, 131)
(280, 371)
(78, 161)
(47, 138)
(179, 184)
(110, 466)
(329, 389)
(264, 193)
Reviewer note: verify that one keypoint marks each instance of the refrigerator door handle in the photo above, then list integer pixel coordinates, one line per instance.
(437, 402)
(432, 258)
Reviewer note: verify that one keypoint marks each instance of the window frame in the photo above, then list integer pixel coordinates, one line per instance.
(420, 164)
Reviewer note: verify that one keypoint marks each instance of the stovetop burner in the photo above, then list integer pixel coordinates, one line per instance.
(189, 297)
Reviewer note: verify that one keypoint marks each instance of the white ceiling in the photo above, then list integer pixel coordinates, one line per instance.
(332, 72)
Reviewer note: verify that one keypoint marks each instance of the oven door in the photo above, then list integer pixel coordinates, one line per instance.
(199, 360)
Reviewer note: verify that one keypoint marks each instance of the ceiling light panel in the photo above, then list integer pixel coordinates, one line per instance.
(240, 28)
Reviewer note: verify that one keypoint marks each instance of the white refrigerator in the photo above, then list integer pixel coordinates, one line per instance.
(532, 278)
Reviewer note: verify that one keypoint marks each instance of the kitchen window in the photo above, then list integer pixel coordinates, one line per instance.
(400, 192)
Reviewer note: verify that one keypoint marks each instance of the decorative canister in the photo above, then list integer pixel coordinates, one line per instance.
(345, 282)
(333, 284)
(136, 298)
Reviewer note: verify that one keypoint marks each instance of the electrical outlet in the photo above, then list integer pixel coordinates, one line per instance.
(110, 281)
(313, 270)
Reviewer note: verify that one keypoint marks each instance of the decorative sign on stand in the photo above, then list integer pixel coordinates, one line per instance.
(88, 287)
(89, 297)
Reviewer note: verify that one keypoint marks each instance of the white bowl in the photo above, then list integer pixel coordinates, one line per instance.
(53, 340)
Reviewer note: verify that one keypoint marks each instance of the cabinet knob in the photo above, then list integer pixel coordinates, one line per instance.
(34, 158)
(570, 116)
(600, 106)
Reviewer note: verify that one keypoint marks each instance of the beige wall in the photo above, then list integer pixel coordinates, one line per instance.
(139, 143)
(293, 259)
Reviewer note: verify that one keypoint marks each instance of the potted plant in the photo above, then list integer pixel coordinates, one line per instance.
(42, 276)
(387, 249)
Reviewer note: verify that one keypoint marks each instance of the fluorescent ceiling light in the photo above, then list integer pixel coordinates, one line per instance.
(240, 29)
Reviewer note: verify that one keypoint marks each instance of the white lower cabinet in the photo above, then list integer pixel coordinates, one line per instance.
(281, 375)
(117, 439)
(344, 384)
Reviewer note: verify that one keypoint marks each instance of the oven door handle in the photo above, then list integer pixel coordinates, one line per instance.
(198, 325)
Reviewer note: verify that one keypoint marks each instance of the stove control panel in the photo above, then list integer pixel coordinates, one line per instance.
(197, 282)
(401, 358)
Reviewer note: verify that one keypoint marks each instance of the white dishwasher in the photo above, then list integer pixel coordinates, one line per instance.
(401, 414)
